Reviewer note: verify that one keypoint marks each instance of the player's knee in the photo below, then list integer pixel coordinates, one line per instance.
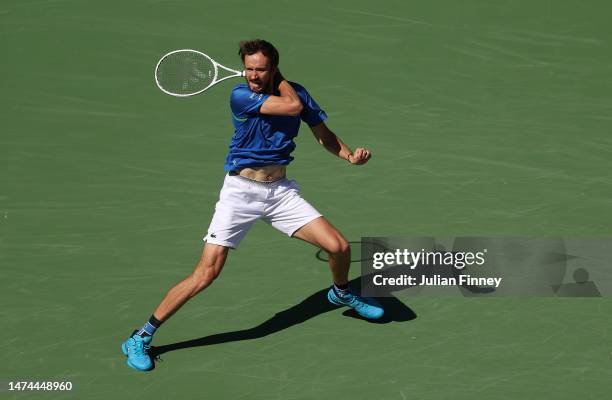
(204, 275)
(338, 247)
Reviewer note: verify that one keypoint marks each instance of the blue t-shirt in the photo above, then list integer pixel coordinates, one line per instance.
(261, 139)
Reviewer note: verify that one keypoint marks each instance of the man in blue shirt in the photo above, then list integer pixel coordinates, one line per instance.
(266, 112)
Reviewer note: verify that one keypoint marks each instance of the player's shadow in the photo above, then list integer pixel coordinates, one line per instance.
(314, 305)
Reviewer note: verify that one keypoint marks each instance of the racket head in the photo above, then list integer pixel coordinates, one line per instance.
(185, 72)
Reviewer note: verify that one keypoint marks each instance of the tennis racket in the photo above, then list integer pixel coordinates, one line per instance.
(186, 72)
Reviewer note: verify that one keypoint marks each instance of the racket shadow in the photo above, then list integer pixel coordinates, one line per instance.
(314, 305)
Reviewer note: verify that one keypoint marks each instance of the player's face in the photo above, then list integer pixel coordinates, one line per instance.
(259, 72)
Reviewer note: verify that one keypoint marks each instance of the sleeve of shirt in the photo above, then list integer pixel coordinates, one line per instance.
(245, 103)
(312, 113)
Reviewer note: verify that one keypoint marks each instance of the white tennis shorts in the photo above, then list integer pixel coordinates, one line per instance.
(243, 201)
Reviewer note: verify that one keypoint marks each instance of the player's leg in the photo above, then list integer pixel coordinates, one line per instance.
(324, 235)
(232, 220)
(288, 212)
(206, 271)
(136, 347)
(321, 233)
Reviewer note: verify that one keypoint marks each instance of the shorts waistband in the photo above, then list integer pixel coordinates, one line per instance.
(263, 183)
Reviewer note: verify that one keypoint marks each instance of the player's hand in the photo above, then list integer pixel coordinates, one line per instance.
(360, 156)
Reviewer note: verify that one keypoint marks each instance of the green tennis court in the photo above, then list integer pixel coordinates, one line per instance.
(483, 117)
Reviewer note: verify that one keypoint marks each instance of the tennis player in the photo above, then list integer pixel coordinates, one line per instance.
(266, 113)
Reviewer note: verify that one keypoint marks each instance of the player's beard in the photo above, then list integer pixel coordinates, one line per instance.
(261, 86)
(256, 87)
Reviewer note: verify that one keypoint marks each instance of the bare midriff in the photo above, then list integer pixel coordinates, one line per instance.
(269, 173)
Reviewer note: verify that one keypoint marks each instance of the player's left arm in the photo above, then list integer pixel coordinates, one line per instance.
(336, 146)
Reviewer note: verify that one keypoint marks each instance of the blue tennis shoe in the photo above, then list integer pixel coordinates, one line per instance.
(137, 348)
(366, 307)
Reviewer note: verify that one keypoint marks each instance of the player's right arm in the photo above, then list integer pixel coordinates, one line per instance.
(288, 103)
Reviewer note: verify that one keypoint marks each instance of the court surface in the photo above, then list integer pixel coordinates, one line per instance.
(484, 118)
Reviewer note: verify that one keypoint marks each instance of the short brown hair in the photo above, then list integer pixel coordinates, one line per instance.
(251, 47)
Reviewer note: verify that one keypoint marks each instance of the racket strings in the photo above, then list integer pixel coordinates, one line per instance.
(185, 72)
